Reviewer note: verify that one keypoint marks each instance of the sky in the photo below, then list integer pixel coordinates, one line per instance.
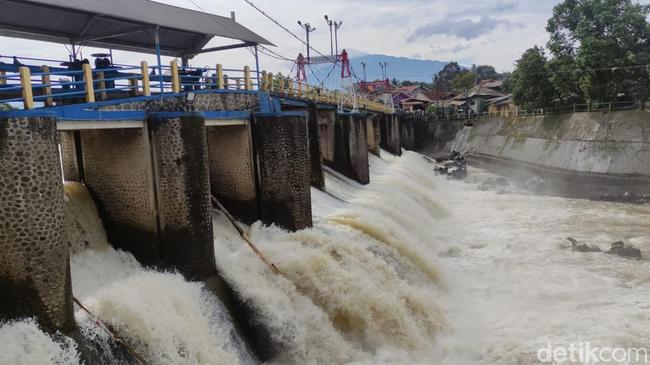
(470, 32)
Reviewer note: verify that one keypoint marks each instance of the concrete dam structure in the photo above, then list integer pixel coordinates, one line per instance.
(151, 166)
(588, 155)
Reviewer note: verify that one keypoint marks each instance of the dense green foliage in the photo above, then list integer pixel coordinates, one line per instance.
(531, 86)
(600, 48)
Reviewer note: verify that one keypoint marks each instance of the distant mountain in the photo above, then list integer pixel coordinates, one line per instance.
(401, 68)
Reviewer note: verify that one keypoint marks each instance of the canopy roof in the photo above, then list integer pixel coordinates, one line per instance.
(120, 24)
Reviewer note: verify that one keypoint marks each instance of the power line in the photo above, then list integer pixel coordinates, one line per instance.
(249, 2)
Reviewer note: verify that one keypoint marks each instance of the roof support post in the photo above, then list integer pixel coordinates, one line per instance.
(160, 75)
(257, 67)
(26, 86)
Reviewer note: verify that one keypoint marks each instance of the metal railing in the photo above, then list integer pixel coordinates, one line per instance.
(51, 85)
(589, 107)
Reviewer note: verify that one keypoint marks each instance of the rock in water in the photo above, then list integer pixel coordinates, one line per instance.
(619, 248)
(581, 247)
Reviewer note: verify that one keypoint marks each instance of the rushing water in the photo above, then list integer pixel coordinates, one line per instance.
(412, 268)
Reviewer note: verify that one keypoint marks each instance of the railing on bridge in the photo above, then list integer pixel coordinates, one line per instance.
(51, 84)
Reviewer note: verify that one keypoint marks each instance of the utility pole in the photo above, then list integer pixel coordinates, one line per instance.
(308, 29)
(365, 78)
(337, 26)
(384, 69)
(330, 23)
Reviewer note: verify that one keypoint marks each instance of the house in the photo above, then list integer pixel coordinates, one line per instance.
(504, 105)
(411, 105)
(416, 92)
(478, 97)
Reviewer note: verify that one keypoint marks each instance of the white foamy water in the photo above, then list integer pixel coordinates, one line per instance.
(412, 268)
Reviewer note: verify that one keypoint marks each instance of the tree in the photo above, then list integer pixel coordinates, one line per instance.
(506, 77)
(597, 45)
(531, 86)
(444, 79)
(465, 82)
(485, 72)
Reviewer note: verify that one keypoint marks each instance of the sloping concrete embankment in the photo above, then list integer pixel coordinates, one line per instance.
(588, 155)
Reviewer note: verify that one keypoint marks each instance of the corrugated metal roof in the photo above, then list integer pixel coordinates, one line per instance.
(127, 22)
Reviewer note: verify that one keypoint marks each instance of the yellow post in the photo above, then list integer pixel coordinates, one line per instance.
(47, 90)
(269, 82)
(290, 86)
(102, 86)
(225, 82)
(238, 83)
(3, 80)
(247, 78)
(176, 83)
(220, 78)
(146, 86)
(307, 92)
(264, 86)
(88, 83)
(26, 85)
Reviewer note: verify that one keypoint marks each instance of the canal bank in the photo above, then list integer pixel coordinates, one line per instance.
(603, 155)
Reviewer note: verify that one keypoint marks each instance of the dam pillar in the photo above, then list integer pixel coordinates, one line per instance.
(351, 147)
(327, 126)
(315, 153)
(182, 185)
(390, 134)
(232, 169)
(373, 132)
(151, 186)
(118, 171)
(34, 258)
(407, 131)
(282, 155)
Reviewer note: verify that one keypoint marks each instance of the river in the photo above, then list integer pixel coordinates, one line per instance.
(413, 268)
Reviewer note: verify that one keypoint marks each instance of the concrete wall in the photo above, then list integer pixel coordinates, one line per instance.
(373, 133)
(391, 134)
(581, 148)
(326, 122)
(351, 147)
(282, 155)
(183, 194)
(232, 170)
(407, 131)
(34, 259)
(315, 153)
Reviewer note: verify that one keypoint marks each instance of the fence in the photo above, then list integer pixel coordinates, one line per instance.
(564, 109)
(78, 82)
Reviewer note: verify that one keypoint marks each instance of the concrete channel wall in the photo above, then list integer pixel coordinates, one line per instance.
(596, 155)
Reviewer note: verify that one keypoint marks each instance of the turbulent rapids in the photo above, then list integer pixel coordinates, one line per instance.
(412, 268)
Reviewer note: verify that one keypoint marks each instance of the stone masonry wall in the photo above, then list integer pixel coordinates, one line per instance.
(351, 148)
(34, 259)
(315, 154)
(282, 148)
(118, 172)
(232, 170)
(183, 187)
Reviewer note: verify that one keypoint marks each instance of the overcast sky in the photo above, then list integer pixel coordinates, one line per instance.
(471, 31)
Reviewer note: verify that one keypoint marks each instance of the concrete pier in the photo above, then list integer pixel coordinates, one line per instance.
(391, 134)
(373, 132)
(351, 147)
(183, 193)
(34, 259)
(232, 169)
(315, 153)
(327, 126)
(407, 131)
(284, 172)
